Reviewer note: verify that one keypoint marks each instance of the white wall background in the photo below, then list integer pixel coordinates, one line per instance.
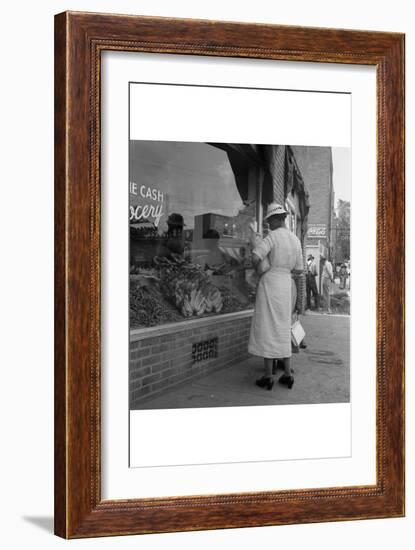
(26, 274)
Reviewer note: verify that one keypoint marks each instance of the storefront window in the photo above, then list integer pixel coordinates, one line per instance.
(189, 251)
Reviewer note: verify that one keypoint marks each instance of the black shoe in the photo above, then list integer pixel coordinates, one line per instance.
(303, 345)
(265, 382)
(287, 381)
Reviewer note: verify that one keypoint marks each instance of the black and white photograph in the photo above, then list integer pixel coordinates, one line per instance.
(239, 275)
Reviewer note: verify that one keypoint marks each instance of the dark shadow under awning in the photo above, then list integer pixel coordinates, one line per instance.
(242, 157)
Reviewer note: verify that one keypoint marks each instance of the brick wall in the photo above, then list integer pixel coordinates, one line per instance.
(315, 164)
(161, 362)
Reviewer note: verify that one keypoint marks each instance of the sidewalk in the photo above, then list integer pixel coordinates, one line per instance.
(321, 374)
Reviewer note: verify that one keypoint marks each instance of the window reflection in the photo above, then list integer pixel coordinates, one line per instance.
(189, 249)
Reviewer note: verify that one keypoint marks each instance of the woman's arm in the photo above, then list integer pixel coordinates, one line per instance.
(255, 260)
(254, 237)
(260, 250)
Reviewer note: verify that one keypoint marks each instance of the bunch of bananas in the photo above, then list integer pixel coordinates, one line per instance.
(188, 287)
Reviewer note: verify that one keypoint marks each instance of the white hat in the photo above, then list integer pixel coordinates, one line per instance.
(274, 208)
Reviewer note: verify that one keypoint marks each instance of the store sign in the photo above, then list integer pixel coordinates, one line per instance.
(151, 203)
(317, 231)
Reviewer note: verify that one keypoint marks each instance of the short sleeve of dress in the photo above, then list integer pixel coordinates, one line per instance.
(299, 266)
(263, 247)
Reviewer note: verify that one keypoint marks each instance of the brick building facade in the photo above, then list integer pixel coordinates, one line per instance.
(316, 166)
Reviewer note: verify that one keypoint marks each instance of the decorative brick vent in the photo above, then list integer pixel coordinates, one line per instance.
(205, 350)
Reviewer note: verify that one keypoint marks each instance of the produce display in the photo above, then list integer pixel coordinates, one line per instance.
(147, 308)
(230, 301)
(173, 289)
(187, 286)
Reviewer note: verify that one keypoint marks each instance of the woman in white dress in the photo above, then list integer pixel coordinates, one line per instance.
(270, 335)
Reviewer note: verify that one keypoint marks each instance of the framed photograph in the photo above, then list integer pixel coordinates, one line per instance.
(229, 275)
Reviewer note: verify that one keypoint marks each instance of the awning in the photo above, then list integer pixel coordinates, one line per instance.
(242, 157)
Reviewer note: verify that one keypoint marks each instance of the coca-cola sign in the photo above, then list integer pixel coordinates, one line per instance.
(317, 231)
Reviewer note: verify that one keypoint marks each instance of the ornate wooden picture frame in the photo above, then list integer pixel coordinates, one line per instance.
(80, 38)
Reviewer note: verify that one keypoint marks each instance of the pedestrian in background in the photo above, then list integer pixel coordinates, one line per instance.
(343, 276)
(311, 286)
(326, 280)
